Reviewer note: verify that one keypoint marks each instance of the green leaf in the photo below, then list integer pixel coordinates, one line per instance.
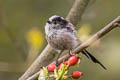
(61, 75)
(43, 74)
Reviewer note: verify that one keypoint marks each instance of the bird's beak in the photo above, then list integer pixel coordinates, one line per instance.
(49, 22)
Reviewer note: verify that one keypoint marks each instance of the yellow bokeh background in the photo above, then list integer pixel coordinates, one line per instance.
(35, 38)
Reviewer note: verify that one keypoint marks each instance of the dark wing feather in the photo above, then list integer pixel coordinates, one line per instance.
(90, 56)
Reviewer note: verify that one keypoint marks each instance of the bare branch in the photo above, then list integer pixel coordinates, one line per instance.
(90, 41)
(76, 11)
(35, 76)
(74, 17)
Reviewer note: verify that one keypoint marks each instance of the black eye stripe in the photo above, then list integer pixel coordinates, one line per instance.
(59, 20)
(64, 21)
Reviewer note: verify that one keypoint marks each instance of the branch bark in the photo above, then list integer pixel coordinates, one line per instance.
(76, 11)
(74, 17)
(115, 23)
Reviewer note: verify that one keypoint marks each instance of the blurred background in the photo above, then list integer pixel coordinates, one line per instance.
(22, 36)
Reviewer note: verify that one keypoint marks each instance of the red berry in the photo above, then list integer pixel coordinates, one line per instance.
(76, 74)
(51, 67)
(66, 63)
(73, 60)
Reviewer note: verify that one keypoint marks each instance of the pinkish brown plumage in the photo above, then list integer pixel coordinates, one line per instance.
(61, 35)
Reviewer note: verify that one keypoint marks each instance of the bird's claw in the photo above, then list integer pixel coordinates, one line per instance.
(70, 53)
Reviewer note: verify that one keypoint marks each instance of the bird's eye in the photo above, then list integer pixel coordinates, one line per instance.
(54, 22)
(68, 28)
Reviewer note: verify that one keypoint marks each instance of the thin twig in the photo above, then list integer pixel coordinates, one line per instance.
(48, 53)
(87, 43)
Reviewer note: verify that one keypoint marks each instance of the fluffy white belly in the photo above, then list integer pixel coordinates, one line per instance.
(62, 40)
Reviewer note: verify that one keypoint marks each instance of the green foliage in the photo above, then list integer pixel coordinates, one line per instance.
(60, 74)
(43, 74)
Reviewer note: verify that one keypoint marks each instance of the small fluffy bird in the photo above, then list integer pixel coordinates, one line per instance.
(61, 35)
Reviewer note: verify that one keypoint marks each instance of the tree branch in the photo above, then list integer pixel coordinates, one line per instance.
(76, 11)
(115, 23)
(74, 17)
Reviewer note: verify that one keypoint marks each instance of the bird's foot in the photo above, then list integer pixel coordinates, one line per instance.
(57, 62)
(70, 53)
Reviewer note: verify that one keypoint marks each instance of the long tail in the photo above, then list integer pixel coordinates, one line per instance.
(90, 56)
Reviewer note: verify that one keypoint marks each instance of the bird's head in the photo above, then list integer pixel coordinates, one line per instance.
(56, 22)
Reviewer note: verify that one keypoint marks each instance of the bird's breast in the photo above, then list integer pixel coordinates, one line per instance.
(62, 40)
